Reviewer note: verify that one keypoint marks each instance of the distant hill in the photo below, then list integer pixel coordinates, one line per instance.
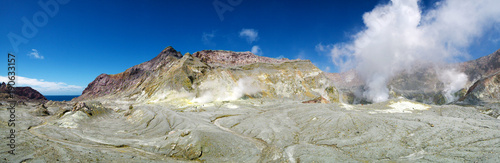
(21, 93)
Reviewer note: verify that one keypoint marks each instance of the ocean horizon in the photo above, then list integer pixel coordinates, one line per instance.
(60, 97)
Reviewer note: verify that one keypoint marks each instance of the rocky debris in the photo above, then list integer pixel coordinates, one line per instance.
(91, 108)
(21, 93)
(51, 103)
(129, 111)
(81, 106)
(492, 110)
(61, 111)
(21, 103)
(317, 100)
(41, 110)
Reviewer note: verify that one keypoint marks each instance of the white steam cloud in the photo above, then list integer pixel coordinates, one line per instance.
(398, 34)
(454, 81)
(214, 90)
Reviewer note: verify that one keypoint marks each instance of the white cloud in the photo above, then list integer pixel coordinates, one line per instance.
(399, 33)
(256, 50)
(207, 38)
(321, 48)
(34, 54)
(46, 87)
(250, 35)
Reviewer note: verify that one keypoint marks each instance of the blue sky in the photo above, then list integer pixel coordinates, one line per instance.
(86, 38)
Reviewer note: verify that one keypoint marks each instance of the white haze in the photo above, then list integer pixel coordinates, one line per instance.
(216, 90)
(398, 34)
(454, 81)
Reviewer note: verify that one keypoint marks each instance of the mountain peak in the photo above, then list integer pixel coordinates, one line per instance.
(169, 51)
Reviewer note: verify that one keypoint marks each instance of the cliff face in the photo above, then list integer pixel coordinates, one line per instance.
(129, 82)
(484, 91)
(212, 76)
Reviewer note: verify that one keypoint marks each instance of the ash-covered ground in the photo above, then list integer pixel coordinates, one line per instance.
(253, 130)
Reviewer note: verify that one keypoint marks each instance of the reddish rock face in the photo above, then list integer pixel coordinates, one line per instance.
(482, 67)
(106, 84)
(229, 58)
(317, 100)
(22, 93)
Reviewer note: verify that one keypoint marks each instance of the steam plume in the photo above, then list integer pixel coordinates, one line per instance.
(398, 34)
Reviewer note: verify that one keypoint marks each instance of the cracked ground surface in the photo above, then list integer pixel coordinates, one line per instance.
(255, 131)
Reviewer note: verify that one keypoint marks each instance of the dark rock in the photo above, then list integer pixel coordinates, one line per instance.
(81, 106)
(41, 110)
(484, 91)
(21, 93)
(317, 100)
(91, 108)
(21, 103)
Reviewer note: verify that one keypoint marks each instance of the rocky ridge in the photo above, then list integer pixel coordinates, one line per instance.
(21, 93)
(229, 58)
(219, 75)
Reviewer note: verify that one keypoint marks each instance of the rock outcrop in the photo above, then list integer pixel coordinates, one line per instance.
(484, 91)
(41, 110)
(229, 58)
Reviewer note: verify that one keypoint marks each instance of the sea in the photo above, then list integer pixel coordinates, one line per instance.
(60, 97)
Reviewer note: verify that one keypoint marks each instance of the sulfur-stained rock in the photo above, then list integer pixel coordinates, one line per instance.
(41, 110)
